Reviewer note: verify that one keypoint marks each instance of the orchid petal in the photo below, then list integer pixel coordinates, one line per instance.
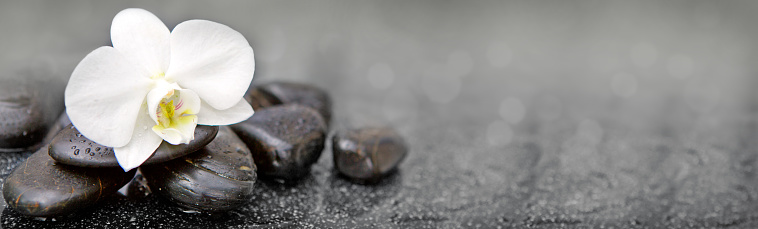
(189, 102)
(101, 111)
(143, 38)
(237, 113)
(186, 126)
(209, 58)
(141, 147)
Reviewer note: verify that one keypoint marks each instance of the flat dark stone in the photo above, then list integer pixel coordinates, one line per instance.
(22, 118)
(276, 93)
(72, 148)
(42, 187)
(368, 154)
(218, 177)
(285, 140)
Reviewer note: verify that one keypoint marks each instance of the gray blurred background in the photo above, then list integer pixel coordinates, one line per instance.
(486, 60)
(580, 112)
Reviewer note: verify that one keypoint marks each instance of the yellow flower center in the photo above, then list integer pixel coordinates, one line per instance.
(166, 112)
(170, 115)
(158, 76)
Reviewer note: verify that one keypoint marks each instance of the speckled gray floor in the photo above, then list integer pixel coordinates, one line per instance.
(518, 114)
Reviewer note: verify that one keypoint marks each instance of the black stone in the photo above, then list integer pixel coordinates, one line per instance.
(72, 148)
(41, 187)
(22, 119)
(366, 155)
(218, 177)
(276, 93)
(285, 140)
(261, 99)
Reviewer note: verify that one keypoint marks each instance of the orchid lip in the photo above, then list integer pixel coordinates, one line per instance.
(175, 120)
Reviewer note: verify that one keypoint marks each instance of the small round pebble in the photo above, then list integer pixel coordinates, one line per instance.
(285, 140)
(72, 148)
(366, 155)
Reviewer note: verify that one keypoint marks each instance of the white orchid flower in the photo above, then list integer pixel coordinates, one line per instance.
(156, 85)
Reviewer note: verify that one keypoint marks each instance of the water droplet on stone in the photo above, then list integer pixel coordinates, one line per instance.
(40, 218)
(73, 147)
(87, 150)
(190, 211)
(82, 141)
(76, 152)
(97, 149)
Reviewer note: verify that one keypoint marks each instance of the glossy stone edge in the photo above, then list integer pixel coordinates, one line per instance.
(151, 160)
(159, 179)
(366, 157)
(59, 209)
(257, 135)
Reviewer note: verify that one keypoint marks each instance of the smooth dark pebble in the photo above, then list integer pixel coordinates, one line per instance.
(41, 187)
(72, 148)
(277, 93)
(260, 99)
(366, 155)
(218, 177)
(22, 118)
(285, 140)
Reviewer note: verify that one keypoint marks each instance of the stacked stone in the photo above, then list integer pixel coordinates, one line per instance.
(215, 172)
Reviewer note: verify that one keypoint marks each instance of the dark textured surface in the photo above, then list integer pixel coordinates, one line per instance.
(72, 148)
(542, 114)
(41, 187)
(367, 154)
(22, 122)
(285, 140)
(219, 177)
(275, 93)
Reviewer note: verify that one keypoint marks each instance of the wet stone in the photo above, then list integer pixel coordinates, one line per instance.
(261, 99)
(276, 93)
(22, 119)
(72, 148)
(285, 140)
(41, 187)
(218, 177)
(366, 155)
